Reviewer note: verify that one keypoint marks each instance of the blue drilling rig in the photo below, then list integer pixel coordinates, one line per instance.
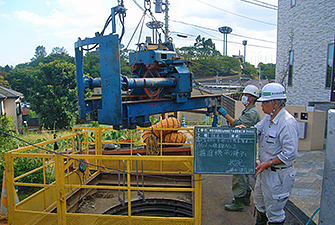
(160, 81)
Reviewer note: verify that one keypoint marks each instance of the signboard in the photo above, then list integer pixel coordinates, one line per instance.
(224, 150)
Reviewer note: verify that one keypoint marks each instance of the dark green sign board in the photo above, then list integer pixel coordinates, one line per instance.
(224, 150)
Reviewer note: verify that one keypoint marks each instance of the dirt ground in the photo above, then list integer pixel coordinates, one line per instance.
(101, 201)
(216, 192)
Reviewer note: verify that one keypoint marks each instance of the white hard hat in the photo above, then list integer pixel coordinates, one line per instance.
(272, 91)
(251, 89)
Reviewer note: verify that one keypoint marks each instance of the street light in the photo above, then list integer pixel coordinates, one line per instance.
(225, 31)
(154, 25)
(245, 50)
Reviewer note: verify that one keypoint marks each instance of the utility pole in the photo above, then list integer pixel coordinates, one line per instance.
(159, 9)
(166, 19)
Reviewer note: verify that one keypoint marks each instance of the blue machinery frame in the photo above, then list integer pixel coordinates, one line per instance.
(175, 83)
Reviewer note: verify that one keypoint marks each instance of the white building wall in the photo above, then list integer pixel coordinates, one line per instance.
(307, 29)
(10, 110)
(2, 110)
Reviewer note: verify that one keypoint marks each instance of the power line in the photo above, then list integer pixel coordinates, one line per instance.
(215, 30)
(265, 6)
(273, 42)
(220, 39)
(265, 3)
(235, 14)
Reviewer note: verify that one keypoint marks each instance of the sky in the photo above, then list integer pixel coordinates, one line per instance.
(26, 24)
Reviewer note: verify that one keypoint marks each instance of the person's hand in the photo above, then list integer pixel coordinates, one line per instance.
(241, 126)
(261, 167)
(222, 111)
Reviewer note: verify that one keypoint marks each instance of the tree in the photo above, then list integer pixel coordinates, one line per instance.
(40, 53)
(205, 60)
(124, 57)
(267, 70)
(250, 70)
(58, 50)
(201, 49)
(92, 64)
(54, 96)
(21, 80)
(3, 82)
(6, 142)
(3, 75)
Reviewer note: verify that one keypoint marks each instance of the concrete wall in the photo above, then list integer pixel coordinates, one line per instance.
(307, 29)
(315, 124)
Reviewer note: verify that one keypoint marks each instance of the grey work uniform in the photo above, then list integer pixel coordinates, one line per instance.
(241, 183)
(277, 138)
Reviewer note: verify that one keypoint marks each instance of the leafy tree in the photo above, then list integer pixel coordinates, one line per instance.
(58, 50)
(212, 66)
(249, 70)
(8, 68)
(40, 53)
(3, 82)
(3, 75)
(205, 60)
(92, 64)
(201, 49)
(54, 96)
(21, 80)
(124, 57)
(6, 142)
(267, 70)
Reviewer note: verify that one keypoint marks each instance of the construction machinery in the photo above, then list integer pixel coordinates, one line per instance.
(160, 81)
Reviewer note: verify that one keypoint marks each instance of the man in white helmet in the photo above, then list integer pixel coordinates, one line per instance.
(278, 135)
(250, 116)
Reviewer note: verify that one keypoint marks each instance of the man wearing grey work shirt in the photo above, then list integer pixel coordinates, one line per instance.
(278, 142)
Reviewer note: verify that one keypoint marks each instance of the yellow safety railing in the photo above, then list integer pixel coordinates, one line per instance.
(63, 178)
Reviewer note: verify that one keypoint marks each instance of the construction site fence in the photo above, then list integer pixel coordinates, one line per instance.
(67, 166)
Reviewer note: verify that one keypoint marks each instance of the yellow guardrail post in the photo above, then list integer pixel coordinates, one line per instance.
(198, 197)
(98, 141)
(128, 187)
(60, 187)
(9, 167)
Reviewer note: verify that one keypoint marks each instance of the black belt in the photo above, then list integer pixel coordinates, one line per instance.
(273, 168)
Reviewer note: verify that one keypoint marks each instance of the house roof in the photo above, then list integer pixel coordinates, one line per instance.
(8, 93)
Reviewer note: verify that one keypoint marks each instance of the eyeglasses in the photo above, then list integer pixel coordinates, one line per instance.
(265, 102)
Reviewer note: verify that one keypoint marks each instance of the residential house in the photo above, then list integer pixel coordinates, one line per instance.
(305, 50)
(11, 105)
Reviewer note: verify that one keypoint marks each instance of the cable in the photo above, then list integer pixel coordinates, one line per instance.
(268, 7)
(94, 165)
(215, 30)
(132, 36)
(219, 39)
(310, 219)
(264, 3)
(235, 14)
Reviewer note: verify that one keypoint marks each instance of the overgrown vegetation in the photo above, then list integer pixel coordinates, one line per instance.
(23, 165)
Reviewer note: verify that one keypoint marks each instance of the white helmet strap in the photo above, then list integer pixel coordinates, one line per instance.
(275, 108)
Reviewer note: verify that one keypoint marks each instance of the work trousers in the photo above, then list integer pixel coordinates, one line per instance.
(241, 184)
(272, 191)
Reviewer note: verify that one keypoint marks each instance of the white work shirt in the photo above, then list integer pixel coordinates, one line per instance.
(278, 138)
